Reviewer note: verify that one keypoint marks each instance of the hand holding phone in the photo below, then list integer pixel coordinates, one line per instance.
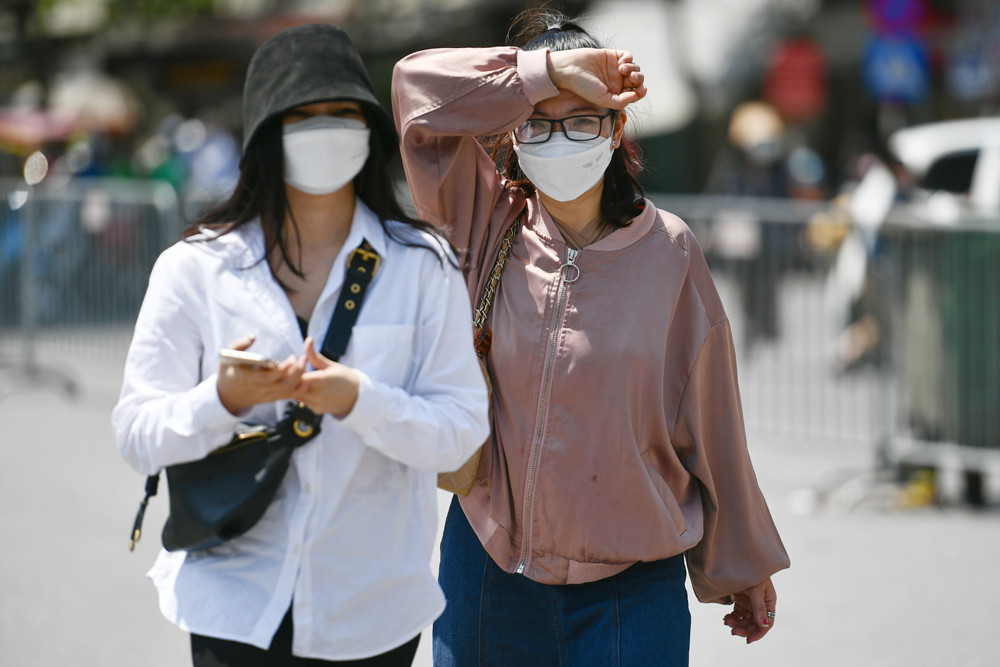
(244, 358)
(246, 379)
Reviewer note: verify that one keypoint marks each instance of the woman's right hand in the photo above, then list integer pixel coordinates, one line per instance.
(753, 611)
(604, 77)
(242, 387)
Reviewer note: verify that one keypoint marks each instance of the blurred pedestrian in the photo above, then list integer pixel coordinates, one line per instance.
(756, 249)
(338, 569)
(618, 447)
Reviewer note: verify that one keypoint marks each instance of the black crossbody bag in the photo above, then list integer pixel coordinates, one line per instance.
(223, 495)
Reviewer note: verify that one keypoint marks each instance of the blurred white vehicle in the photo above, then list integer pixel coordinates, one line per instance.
(956, 164)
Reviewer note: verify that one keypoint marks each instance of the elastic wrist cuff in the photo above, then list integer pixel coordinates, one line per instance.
(534, 72)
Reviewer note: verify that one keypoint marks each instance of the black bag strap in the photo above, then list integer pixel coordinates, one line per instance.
(361, 268)
(362, 265)
(152, 482)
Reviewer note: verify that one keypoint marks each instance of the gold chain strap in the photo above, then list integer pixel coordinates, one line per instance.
(479, 319)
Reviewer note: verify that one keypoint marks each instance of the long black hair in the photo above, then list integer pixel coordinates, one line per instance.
(542, 28)
(260, 194)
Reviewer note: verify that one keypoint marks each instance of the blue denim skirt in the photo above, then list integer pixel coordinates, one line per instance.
(638, 617)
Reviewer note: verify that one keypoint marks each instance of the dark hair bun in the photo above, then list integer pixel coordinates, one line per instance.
(543, 28)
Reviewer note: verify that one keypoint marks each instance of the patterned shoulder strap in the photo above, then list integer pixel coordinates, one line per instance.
(490, 290)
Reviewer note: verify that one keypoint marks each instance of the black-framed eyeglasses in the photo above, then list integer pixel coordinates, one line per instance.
(575, 128)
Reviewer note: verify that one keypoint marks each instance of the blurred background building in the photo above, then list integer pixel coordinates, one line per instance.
(110, 83)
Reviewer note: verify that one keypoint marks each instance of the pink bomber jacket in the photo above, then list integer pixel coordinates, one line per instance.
(617, 432)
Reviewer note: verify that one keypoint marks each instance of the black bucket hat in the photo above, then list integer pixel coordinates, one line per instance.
(304, 65)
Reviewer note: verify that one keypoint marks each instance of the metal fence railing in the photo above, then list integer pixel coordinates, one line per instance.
(941, 301)
(74, 261)
(789, 317)
(886, 340)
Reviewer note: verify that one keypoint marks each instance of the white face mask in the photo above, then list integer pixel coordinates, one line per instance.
(564, 169)
(323, 153)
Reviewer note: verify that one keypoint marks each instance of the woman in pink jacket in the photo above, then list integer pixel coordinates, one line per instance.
(618, 449)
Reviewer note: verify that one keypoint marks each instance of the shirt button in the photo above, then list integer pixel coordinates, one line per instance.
(308, 488)
(295, 549)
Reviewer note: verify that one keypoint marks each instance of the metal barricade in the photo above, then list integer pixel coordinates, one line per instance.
(90, 244)
(881, 339)
(941, 286)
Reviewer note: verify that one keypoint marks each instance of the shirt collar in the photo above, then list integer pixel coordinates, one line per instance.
(364, 225)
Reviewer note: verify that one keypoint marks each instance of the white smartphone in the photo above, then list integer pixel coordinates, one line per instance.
(228, 356)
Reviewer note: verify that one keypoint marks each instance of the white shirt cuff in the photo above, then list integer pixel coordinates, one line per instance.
(207, 410)
(368, 410)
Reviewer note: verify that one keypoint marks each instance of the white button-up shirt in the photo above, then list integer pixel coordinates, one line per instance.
(348, 539)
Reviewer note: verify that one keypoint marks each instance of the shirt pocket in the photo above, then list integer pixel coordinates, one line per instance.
(384, 352)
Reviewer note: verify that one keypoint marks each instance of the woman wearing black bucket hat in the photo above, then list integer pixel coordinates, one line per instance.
(337, 569)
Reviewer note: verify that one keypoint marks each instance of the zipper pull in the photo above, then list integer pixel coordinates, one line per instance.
(569, 271)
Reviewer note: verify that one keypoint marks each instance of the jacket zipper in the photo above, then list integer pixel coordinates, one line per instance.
(568, 273)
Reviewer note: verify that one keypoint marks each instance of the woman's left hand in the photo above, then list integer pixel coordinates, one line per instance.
(331, 388)
(753, 611)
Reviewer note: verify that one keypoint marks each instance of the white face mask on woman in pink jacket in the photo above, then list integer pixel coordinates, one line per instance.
(564, 169)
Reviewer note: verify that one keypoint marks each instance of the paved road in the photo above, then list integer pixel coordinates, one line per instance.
(869, 585)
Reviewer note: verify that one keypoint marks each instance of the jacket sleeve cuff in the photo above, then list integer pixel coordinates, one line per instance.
(534, 73)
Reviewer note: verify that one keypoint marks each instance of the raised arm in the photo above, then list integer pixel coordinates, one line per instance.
(442, 100)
